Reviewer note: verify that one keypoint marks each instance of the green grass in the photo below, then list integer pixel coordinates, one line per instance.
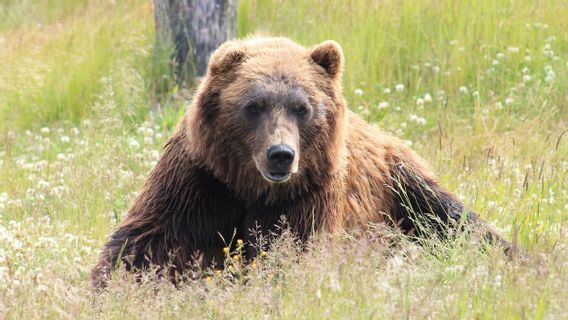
(81, 89)
(28, 13)
(54, 72)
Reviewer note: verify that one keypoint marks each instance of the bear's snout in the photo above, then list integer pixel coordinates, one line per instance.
(280, 157)
(278, 163)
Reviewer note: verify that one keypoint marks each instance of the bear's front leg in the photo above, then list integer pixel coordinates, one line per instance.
(422, 206)
(318, 210)
(135, 248)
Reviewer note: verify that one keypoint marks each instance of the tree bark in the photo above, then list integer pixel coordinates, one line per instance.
(196, 28)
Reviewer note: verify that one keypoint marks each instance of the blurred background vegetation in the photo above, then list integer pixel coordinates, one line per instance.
(54, 54)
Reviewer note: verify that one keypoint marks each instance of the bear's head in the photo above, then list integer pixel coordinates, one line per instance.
(270, 115)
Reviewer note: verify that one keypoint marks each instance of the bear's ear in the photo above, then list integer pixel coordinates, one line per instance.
(329, 56)
(228, 56)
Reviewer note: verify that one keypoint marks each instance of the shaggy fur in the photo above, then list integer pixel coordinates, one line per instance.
(206, 187)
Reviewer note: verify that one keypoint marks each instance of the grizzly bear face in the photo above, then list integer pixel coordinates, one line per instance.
(275, 113)
(270, 114)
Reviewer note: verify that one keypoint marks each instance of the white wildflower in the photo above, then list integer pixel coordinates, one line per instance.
(383, 105)
(358, 92)
(149, 132)
(455, 268)
(463, 90)
(427, 98)
(399, 87)
(133, 143)
(44, 130)
(65, 139)
(58, 191)
(551, 73)
(509, 100)
(417, 120)
(387, 91)
(155, 154)
(17, 244)
(334, 283)
(420, 102)
(497, 281)
(42, 184)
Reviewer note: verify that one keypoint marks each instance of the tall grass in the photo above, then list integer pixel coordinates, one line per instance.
(52, 72)
(424, 45)
(31, 13)
(478, 88)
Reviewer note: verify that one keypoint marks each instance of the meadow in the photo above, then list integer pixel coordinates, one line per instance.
(478, 88)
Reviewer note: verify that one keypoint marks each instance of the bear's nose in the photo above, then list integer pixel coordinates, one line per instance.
(280, 156)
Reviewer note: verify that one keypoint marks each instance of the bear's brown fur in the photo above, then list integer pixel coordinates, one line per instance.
(214, 180)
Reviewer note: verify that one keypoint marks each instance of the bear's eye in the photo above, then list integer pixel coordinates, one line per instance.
(301, 110)
(255, 108)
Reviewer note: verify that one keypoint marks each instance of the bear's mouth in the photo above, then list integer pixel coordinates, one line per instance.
(277, 177)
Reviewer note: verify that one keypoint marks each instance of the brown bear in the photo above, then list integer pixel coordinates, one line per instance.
(269, 135)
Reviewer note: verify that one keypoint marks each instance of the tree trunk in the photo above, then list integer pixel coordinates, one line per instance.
(196, 28)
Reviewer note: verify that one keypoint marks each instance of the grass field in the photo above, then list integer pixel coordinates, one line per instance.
(478, 88)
